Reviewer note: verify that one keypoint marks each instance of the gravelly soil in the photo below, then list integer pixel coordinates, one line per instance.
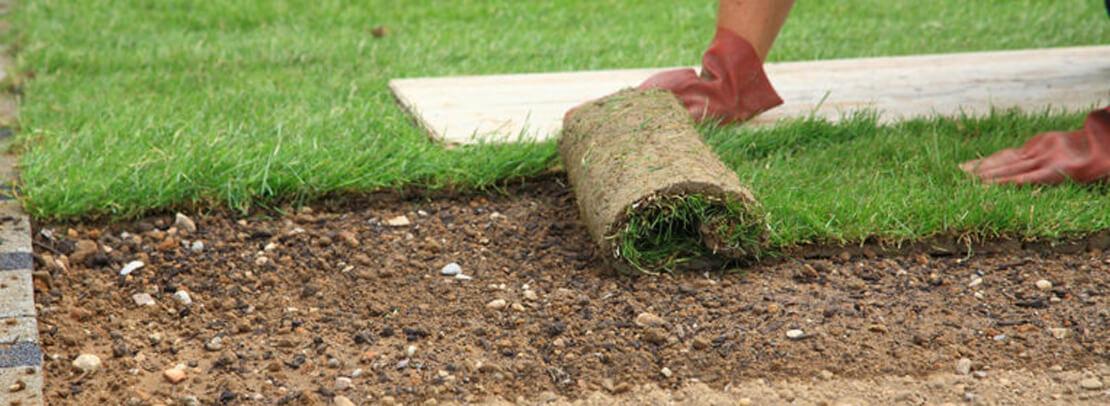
(300, 300)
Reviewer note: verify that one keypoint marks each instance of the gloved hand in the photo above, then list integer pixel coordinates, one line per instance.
(1053, 157)
(732, 86)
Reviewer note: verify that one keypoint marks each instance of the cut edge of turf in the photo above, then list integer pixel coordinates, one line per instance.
(667, 233)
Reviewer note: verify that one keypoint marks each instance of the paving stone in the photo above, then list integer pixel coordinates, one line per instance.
(27, 377)
(20, 354)
(15, 329)
(16, 294)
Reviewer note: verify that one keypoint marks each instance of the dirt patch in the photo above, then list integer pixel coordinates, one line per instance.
(301, 300)
(650, 191)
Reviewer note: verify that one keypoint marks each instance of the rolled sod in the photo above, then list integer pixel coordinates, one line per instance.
(651, 192)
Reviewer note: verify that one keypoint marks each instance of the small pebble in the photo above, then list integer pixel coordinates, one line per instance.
(87, 363)
(197, 246)
(356, 373)
(340, 400)
(214, 344)
(666, 372)
(143, 299)
(131, 267)
(182, 297)
(647, 319)
(399, 221)
(531, 295)
(795, 334)
(1044, 284)
(963, 366)
(342, 383)
(975, 282)
(183, 222)
(462, 277)
(1090, 384)
(451, 269)
(1059, 333)
(175, 375)
(497, 304)
(410, 351)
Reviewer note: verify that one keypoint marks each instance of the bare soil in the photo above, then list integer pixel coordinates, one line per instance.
(301, 299)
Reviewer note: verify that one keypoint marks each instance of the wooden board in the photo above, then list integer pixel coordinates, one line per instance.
(502, 108)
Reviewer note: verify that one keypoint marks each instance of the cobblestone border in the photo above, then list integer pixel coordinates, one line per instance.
(21, 378)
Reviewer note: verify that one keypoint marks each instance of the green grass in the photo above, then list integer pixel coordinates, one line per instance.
(665, 233)
(149, 105)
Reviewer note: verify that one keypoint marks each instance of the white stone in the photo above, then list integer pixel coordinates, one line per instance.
(183, 222)
(1044, 284)
(1059, 332)
(197, 246)
(462, 277)
(963, 366)
(531, 295)
(975, 282)
(399, 221)
(87, 363)
(410, 350)
(131, 267)
(340, 400)
(666, 372)
(342, 383)
(182, 297)
(1090, 384)
(451, 269)
(795, 334)
(143, 299)
(497, 304)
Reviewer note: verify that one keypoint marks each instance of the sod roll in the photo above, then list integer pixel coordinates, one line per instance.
(652, 194)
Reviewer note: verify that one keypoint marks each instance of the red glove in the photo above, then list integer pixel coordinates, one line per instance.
(1053, 157)
(732, 86)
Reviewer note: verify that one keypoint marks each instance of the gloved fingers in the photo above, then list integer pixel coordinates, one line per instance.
(1050, 175)
(1013, 168)
(674, 80)
(998, 159)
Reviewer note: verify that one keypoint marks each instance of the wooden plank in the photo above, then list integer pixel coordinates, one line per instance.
(501, 108)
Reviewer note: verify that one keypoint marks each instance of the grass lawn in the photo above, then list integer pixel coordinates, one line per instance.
(146, 105)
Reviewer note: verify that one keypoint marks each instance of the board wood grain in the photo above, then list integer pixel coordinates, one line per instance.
(508, 108)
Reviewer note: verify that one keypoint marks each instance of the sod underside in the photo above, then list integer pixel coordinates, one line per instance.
(650, 191)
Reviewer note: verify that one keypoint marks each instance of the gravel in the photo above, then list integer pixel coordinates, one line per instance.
(143, 299)
(1090, 384)
(1044, 284)
(214, 344)
(647, 319)
(131, 267)
(182, 297)
(963, 366)
(87, 363)
(183, 222)
(399, 221)
(342, 383)
(451, 269)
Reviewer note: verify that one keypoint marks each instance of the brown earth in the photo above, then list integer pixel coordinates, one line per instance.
(300, 300)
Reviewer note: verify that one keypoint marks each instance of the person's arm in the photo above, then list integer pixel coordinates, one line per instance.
(732, 86)
(757, 21)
